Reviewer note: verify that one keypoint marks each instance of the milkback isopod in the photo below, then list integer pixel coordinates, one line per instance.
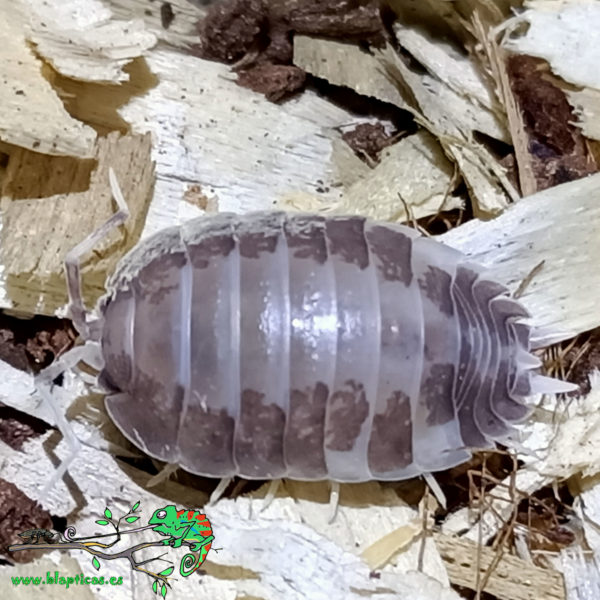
(276, 344)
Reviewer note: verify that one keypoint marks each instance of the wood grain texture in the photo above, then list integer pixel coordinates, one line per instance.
(33, 115)
(560, 226)
(511, 579)
(46, 215)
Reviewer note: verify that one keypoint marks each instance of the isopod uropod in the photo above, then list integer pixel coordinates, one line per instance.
(275, 344)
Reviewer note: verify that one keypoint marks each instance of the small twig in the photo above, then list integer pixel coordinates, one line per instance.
(424, 534)
(527, 280)
(410, 216)
(451, 185)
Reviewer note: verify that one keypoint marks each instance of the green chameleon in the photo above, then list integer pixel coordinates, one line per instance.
(183, 525)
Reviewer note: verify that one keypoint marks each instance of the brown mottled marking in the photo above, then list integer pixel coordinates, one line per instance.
(306, 236)
(203, 252)
(206, 439)
(152, 280)
(347, 240)
(436, 391)
(390, 446)
(393, 251)
(253, 244)
(435, 283)
(259, 438)
(348, 410)
(305, 434)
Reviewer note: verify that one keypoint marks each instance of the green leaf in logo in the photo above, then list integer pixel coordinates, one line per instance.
(166, 572)
(102, 522)
(96, 563)
(163, 590)
(108, 514)
(135, 506)
(155, 586)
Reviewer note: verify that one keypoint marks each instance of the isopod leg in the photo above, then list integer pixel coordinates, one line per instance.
(77, 309)
(163, 474)
(219, 491)
(44, 384)
(334, 501)
(435, 488)
(271, 493)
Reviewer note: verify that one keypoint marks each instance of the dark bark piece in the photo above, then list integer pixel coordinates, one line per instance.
(17, 427)
(276, 82)
(586, 363)
(557, 147)
(231, 28)
(358, 19)
(19, 513)
(368, 139)
(32, 344)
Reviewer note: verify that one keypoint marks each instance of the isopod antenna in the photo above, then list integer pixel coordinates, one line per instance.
(77, 310)
(90, 351)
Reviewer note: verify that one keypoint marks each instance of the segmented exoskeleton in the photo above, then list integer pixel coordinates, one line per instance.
(274, 344)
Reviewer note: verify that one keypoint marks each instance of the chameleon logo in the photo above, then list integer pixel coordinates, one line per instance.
(184, 526)
(177, 526)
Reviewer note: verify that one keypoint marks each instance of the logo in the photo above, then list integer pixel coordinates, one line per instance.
(177, 527)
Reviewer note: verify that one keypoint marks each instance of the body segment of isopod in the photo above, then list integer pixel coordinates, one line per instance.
(274, 344)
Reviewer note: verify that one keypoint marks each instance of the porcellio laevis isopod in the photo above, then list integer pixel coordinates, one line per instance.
(273, 344)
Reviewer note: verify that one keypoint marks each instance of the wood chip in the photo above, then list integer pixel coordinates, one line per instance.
(80, 41)
(447, 115)
(412, 180)
(563, 294)
(40, 227)
(342, 63)
(243, 150)
(511, 579)
(586, 104)
(441, 112)
(32, 115)
(563, 33)
(379, 553)
(451, 66)
(182, 31)
(416, 170)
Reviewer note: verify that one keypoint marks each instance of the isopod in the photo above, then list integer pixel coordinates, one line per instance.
(287, 345)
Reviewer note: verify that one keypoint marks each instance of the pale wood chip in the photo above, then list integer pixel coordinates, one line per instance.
(563, 294)
(79, 39)
(32, 114)
(45, 217)
(512, 579)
